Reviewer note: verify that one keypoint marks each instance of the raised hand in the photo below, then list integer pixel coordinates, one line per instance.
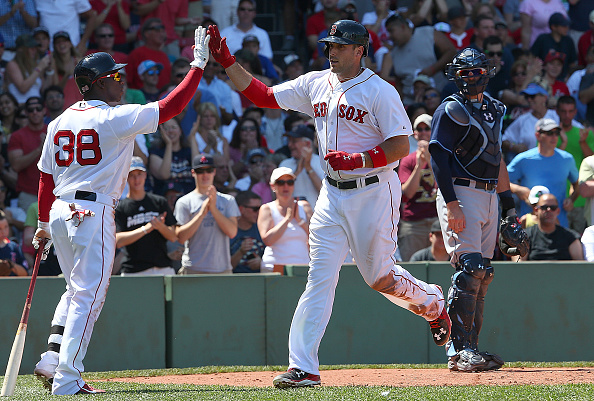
(218, 47)
(340, 160)
(201, 40)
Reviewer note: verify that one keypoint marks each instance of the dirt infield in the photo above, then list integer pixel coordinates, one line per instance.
(390, 377)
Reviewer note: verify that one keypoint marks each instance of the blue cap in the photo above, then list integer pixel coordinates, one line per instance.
(147, 65)
(534, 89)
(137, 164)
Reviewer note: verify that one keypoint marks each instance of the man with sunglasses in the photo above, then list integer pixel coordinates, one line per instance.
(207, 219)
(247, 246)
(362, 132)
(466, 157)
(149, 73)
(419, 190)
(545, 165)
(84, 164)
(105, 40)
(24, 150)
(246, 13)
(548, 240)
(153, 35)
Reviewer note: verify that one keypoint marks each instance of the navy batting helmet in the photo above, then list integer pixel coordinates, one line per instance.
(347, 32)
(93, 67)
(467, 65)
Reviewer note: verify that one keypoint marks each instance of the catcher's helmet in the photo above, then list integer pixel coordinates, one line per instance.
(93, 67)
(467, 65)
(347, 32)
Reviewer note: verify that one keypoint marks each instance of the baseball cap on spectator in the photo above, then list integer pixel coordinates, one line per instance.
(290, 59)
(250, 38)
(546, 124)
(436, 227)
(534, 89)
(456, 12)
(554, 55)
(26, 40)
(423, 78)
(302, 131)
(558, 19)
(442, 27)
(174, 186)
(203, 160)
(34, 100)
(147, 65)
(279, 172)
(61, 34)
(41, 29)
(137, 164)
(536, 192)
(255, 152)
(423, 118)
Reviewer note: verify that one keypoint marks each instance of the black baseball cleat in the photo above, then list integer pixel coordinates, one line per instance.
(86, 389)
(296, 378)
(441, 328)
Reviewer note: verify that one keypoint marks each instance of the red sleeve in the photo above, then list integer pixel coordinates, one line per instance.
(45, 196)
(174, 103)
(260, 94)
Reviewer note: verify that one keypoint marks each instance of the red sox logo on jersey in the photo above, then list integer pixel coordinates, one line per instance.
(344, 111)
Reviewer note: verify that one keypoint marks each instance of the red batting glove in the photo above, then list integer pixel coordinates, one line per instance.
(218, 47)
(340, 160)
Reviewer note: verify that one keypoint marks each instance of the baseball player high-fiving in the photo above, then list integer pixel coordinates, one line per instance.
(362, 132)
(84, 166)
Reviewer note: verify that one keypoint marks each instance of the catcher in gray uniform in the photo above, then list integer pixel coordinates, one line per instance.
(465, 149)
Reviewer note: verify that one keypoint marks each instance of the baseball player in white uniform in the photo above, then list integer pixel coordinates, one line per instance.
(84, 166)
(358, 207)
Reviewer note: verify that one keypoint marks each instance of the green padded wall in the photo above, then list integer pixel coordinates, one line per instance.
(216, 320)
(129, 334)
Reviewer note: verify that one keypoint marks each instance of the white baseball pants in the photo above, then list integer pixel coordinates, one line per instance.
(366, 220)
(85, 254)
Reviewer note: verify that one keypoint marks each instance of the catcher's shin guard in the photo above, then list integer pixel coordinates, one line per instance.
(480, 303)
(466, 283)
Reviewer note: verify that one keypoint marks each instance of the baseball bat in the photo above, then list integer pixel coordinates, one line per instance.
(16, 353)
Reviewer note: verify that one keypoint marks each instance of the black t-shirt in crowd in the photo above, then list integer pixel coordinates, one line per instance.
(553, 246)
(150, 250)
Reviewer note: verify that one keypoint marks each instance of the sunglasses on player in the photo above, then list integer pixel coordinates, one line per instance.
(471, 73)
(116, 77)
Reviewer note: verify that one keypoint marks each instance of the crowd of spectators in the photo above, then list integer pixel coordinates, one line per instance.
(229, 187)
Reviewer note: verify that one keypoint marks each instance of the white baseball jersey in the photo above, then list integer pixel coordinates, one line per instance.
(89, 146)
(352, 116)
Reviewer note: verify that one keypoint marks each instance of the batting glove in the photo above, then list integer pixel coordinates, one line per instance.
(340, 160)
(218, 47)
(201, 40)
(42, 234)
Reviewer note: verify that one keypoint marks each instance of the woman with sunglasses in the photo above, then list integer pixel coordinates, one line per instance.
(27, 74)
(170, 160)
(246, 136)
(207, 131)
(284, 225)
(116, 15)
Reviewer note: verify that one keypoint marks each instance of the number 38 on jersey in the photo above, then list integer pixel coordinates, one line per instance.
(82, 148)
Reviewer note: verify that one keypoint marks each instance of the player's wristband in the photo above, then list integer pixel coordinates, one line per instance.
(43, 225)
(507, 202)
(228, 62)
(378, 157)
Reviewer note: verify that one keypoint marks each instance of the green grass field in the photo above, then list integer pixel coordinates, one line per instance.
(28, 388)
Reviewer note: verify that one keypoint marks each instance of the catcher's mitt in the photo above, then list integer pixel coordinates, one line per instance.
(513, 240)
(5, 267)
